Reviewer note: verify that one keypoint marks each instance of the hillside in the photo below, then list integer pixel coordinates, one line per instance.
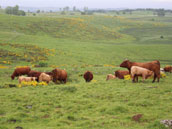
(69, 28)
(76, 43)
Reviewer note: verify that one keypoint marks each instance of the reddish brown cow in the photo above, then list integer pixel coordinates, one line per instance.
(60, 75)
(121, 73)
(88, 76)
(153, 66)
(20, 71)
(168, 69)
(36, 74)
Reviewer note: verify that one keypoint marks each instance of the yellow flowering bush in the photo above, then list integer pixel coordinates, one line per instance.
(127, 77)
(32, 83)
(94, 81)
(21, 66)
(163, 75)
(107, 65)
(3, 67)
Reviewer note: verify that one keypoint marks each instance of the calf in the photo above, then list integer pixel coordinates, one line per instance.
(110, 76)
(139, 71)
(153, 66)
(45, 77)
(26, 79)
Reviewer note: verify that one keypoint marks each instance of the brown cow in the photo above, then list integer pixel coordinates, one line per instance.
(121, 73)
(168, 69)
(153, 66)
(139, 71)
(20, 71)
(36, 74)
(110, 76)
(88, 76)
(60, 75)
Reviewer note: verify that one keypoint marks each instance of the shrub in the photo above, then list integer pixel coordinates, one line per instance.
(43, 64)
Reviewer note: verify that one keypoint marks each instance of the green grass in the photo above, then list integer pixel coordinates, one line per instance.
(99, 45)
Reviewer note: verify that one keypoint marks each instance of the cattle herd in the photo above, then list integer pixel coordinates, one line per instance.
(135, 69)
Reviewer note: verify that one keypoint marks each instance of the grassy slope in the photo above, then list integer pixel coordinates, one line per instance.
(99, 104)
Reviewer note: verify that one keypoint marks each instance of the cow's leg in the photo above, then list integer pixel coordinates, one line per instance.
(155, 76)
(133, 78)
(137, 78)
(143, 78)
(158, 77)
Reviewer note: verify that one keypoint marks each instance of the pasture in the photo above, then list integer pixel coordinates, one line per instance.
(98, 43)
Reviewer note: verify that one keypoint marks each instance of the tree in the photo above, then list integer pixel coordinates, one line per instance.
(123, 12)
(21, 13)
(85, 9)
(66, 8)
(14, 10)
(74, 8)
(9, 10)
(38, 11)
(161, 12)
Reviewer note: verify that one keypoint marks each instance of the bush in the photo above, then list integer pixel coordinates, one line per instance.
(43, 64)
(161, 37)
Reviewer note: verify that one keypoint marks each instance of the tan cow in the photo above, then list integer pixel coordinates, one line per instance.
(110, 76)
(26, 79)
(45, 78)
(139, 71)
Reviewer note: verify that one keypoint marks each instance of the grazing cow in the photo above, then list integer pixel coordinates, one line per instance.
(139, 71)
(36, 74)
(45, 78)
(26, 79)
(88, 76)
(121, 73)
(110, 76)
(153, 66)
(20, 71)
(168, 69)
(60, 75)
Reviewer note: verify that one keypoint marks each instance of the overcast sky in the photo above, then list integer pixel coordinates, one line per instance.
(90, 3)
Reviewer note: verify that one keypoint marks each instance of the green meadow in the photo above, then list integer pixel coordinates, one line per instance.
(78, 43)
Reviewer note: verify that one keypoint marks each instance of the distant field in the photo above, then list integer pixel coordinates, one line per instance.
(98, 43)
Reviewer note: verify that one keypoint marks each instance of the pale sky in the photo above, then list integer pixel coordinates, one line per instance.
(90, 3)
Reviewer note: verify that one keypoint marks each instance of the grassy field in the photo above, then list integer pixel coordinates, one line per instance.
(98, 43)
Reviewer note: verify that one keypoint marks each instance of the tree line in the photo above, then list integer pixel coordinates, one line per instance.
(14, 11)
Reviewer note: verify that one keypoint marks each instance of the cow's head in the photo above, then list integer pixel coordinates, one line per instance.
(12, 77)
(150, 74)
(125, 64)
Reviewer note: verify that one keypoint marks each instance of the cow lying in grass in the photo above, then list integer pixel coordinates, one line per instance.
(26, 79)
(139, 71)
(168, 69)
(110, 76)
(121, 73)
